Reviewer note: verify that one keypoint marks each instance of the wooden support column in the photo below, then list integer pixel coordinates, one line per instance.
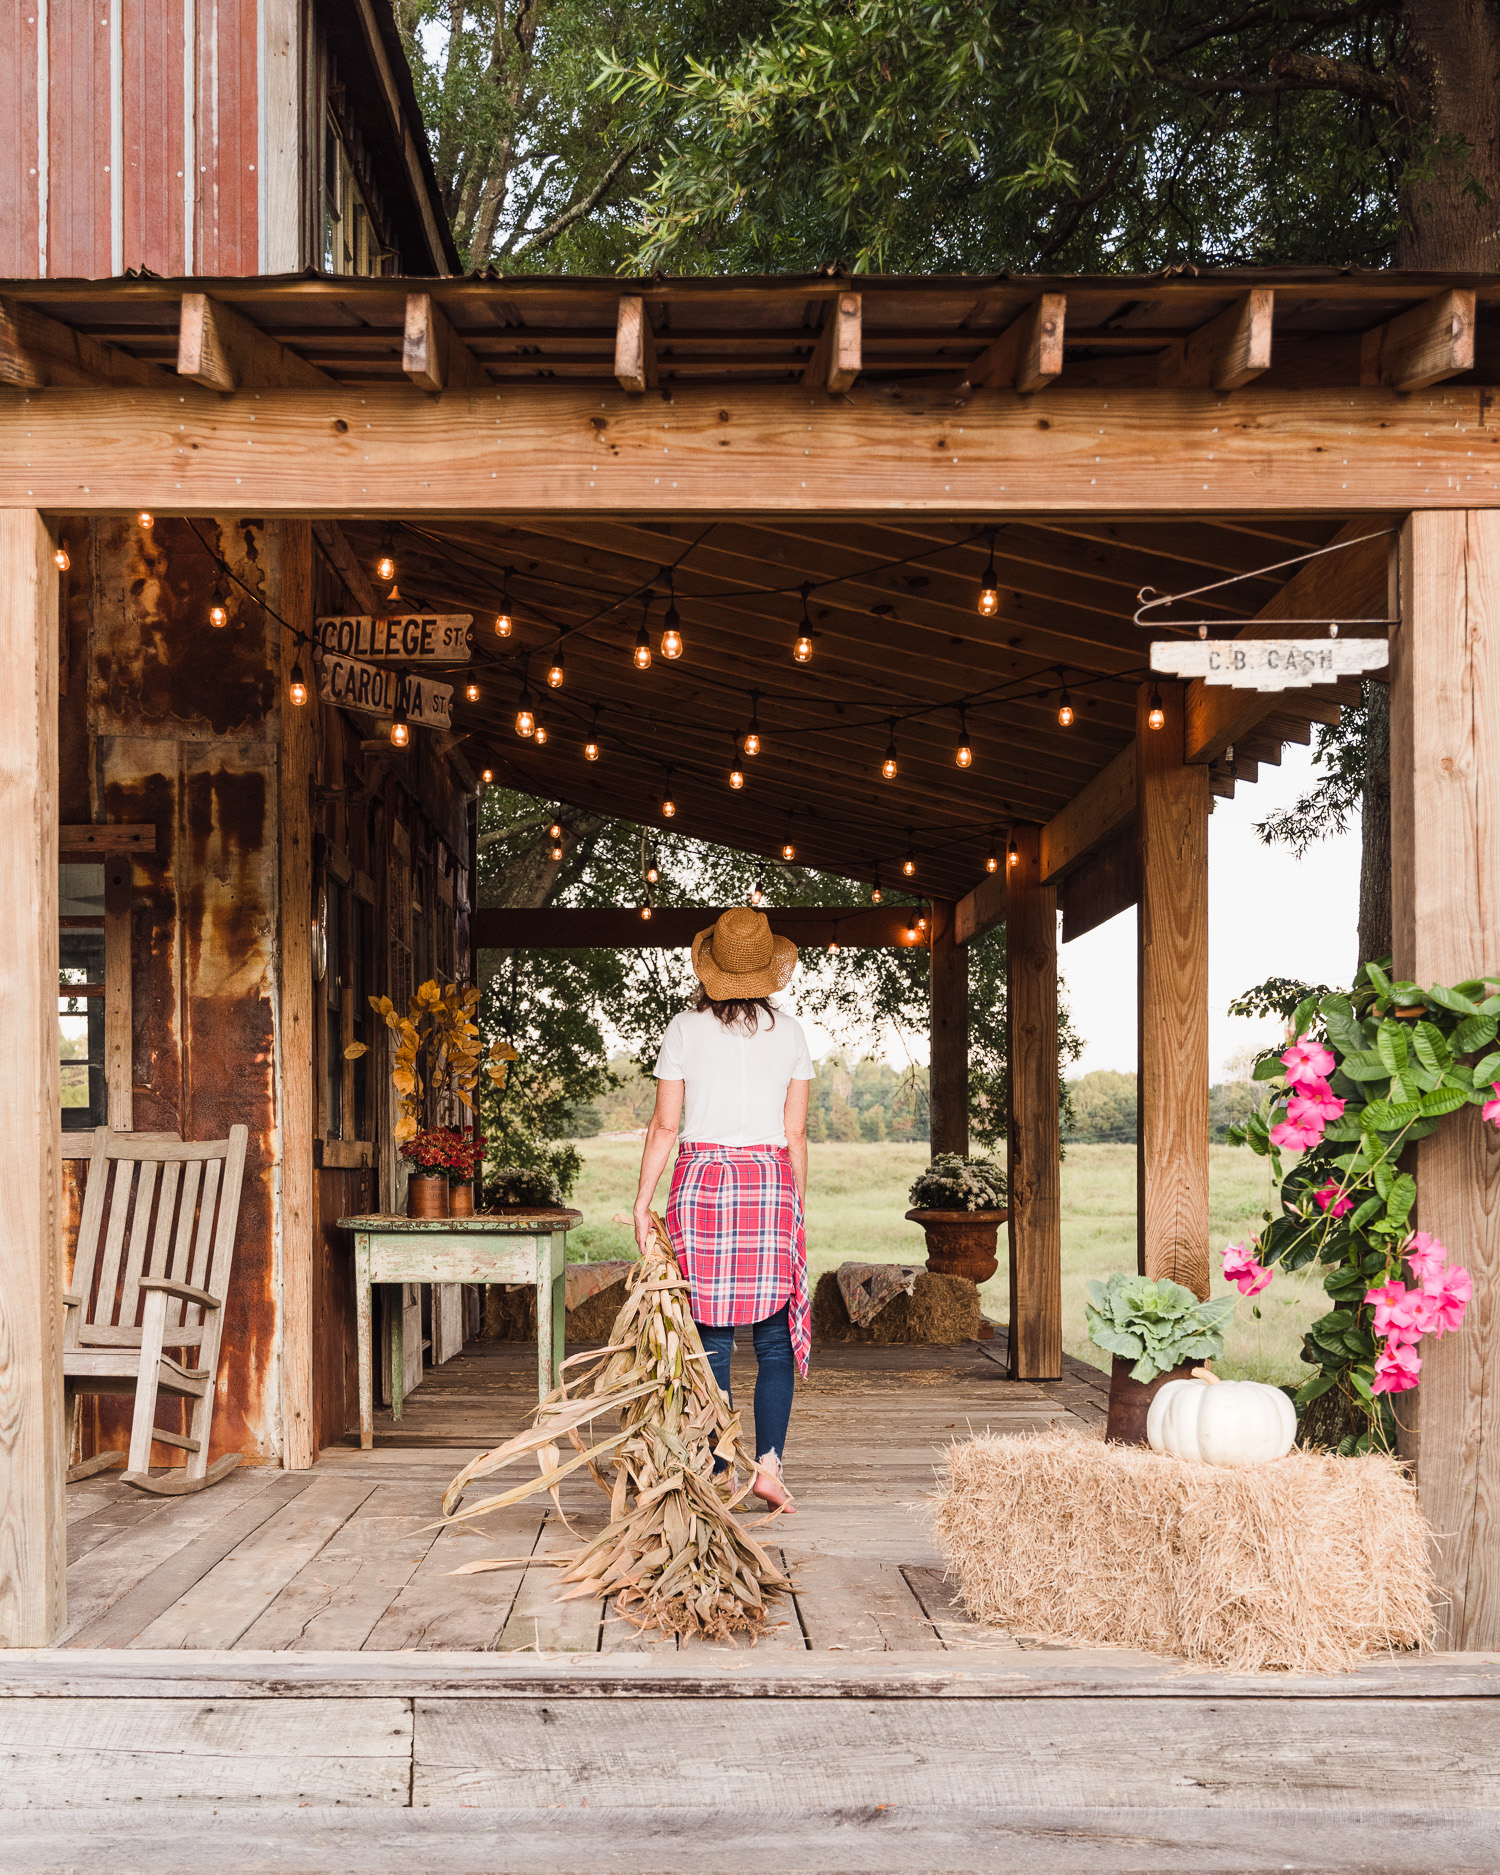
(948, 1070)
(33, 1454)
(1445, 902)
(1035, 1169)
(299, 1446)
(1172, 1013)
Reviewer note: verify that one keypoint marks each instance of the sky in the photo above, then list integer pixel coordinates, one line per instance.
(1268, 915)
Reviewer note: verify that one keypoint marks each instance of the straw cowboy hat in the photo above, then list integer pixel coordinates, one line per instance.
(739, 956)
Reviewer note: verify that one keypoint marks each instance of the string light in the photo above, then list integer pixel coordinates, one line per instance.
(921, 921)
(1064, 708)
(911, 929)
(736, 777)
(297, 686)
(1156, 717)
(888, 766)
(671, 637)
(471, 691)
(803, 649)
(504, 623)
(758, 894)
(964, 755)
(642, 652)
(145, 519)
(591, 747)
(540, 733)
(992, 860)
(751, 743)
(525, 710)
(875, 889)
(653, 871)
(487, 775)
(833, 947)
(555, 671)
(385, 566)
(555, 832)
(788, 850)
(400, 730)
(218, 612)
(909, 864)
(1012, 853)
(60, 557)
(646, 911)
(668, 805)
(989, 590)
(557, 851)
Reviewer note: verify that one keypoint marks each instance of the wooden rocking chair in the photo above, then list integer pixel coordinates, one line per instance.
(176, 1287)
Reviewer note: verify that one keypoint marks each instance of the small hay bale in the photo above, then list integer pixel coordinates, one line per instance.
(510, 1313)
(1307, 1565)
(941, 1312)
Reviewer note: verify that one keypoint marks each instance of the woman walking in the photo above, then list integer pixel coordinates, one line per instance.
(732, 1076)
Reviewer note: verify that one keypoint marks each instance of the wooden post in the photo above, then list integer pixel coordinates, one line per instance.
(948, 1066)
(299, 1446)
(1445, 903)
(33, 1451)
(1172, 1012)
(1035, 1171)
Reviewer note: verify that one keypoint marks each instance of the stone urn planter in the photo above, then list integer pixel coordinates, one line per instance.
(961, 1243)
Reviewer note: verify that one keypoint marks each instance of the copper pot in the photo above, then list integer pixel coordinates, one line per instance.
(461, 1199)
(427, 1194)
(1130, 1400)
(961, 1243)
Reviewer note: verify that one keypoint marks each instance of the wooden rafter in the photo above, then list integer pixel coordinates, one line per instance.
(1424, 346)
(36, 351)
(1027, 356)
(635, 346)
(433, 356)
(221, 350)
(883, 927)
(1230, 350)
(838, 355)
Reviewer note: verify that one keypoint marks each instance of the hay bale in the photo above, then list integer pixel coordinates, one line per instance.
(510, 1313)
(941, 1312)
(1308, 1565)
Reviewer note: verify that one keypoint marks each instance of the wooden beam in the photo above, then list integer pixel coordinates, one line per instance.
(297, 1115)
(837, 357)
(220, 349)
(1106, 884)
(1096, 811)
(635, 345)
(36, 350)
(948, 1065)
(1430, 342)
(433, 356)
(764, 451)
(90, 841)
(33, 1452)
(606, 927)
(1230, 349)
(1445, 900)
(1035, 1229)
(981, 909)
(1172, 1115)
(332, 539)
(1027, 356)
(1351, 584)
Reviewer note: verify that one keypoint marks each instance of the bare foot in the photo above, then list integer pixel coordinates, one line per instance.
(770, 1487)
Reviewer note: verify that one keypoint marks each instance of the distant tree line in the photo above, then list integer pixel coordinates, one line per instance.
(1104, 1107)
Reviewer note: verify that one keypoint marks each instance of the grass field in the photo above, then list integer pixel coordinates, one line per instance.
(857, 1195)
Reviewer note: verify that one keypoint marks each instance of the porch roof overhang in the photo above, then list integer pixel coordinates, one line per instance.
(866, 436)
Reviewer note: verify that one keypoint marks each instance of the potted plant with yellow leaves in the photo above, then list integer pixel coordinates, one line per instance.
(438, 1051)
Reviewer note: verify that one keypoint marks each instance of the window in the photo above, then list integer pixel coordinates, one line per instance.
(80, 997)
(351, 244)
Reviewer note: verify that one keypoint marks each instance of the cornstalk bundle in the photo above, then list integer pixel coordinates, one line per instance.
(672, 1556)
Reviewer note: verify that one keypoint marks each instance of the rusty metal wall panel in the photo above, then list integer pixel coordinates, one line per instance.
(78, 141)
(228, 114)
(152, 136)
(21, 179)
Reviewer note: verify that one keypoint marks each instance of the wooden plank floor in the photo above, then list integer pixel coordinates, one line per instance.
(345, 1556)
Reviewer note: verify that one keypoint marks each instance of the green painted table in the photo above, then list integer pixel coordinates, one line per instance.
(516, 1247)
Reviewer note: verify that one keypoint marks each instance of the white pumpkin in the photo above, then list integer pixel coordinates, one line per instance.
(1235, 1423)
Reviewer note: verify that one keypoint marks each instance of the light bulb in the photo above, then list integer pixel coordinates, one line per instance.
(471, 692)
(591, 750)
(964, 755)
(218, 613)
(297, 687)
(487, 775)
(736, 778)
(909, 866)
(668, 808)
(652, 875)
(525, 720)
(1157, 716)
(1012, 854)
(888, 768)
(875, 894)
(758, 894)
(555, 832)
(921, 924)
(557, 851)
(833, 947)
(540, 733)
(555, 672)
(642, 650)
(788, 851)
(400, 732)
(802, 650)
(385, 567)
(992, 861)
(671, 637)
(911, 930)
(646, 911)
(504, 625)
(751, 744)
(145, 518)
(989, 593)
(60, 559)
(1065, 711)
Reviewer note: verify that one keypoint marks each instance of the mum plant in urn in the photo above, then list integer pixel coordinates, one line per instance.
(438, 1051)
(961, 1204)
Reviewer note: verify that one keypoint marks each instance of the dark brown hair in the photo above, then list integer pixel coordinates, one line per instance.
(736, 1012)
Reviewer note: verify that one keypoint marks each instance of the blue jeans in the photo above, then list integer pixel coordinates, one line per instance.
(775, 1368)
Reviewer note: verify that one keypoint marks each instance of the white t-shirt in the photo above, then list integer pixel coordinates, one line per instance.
(736, 1083)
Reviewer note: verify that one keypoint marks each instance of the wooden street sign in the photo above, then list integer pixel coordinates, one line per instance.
(1270, 663)
(443, 637)
(356, 686)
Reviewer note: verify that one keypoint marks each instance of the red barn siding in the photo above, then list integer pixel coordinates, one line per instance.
(228, 219)
(153, 133)
(20, 181)
(78, 160)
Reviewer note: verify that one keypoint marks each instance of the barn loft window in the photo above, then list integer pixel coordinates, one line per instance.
(353, 224)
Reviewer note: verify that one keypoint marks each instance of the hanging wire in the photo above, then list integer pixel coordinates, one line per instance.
(1149, 604)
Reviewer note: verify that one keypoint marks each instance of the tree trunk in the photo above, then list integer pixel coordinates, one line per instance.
(1450, 222)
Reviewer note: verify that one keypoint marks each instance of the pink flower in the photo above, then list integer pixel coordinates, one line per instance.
(1448, 1295)
(1396, 1370)
(1425, 1254)
(1296, 1138)
(1332, 1195)
(1314, 1100)
(1241, 1269)
(1491, 1108)
(1307, 1061)
(1394, 1312)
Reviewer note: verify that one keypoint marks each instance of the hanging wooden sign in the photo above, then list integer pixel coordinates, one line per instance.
(441, 637)
(356, 686)
(1270, 663)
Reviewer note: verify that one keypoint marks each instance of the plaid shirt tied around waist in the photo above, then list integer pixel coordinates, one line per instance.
(735, 1220)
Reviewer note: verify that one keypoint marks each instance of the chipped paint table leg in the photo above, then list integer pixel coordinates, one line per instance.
(363, 1301)
(551, 1308)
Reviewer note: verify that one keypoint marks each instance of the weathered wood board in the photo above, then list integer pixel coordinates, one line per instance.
(438, 637)
(1270, 663)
